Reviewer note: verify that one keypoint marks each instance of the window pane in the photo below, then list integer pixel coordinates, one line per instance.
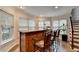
(55, 25)
(63, 26)
(23, 24)
(32, 24)
(47, 23)
(6, 25)
(41, 24)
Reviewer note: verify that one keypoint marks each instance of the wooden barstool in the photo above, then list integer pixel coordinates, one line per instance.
(42, 45)
(53, 39)
(57, 41)
(57, 36)
(47, 42)
(38, 43)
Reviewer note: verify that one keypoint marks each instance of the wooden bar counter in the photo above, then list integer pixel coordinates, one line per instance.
(26, 39)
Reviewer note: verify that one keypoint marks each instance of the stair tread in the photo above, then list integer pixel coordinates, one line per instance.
(76, 44)
(75, 27)
(75, 37)
(75, 22)
(76, 31)
(75, 34)
(76, 49)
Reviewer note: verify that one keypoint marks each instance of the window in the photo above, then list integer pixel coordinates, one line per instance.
(47, 23)
(23, 24)
(41, 24)
(44, 24)
(31, 24)
(63, 26)
(55, 25)
(6, 25)
(60, 24)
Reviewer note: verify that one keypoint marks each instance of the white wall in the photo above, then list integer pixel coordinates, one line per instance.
(75, 14)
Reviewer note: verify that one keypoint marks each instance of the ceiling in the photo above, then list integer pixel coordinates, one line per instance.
(47, 10)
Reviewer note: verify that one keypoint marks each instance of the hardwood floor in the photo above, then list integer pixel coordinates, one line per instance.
(15, 49)
(63, 47)
(60, 46)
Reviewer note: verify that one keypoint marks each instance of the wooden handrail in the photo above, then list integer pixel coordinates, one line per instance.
(72, 31)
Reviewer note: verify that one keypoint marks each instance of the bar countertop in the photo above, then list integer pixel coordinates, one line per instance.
(29, 31)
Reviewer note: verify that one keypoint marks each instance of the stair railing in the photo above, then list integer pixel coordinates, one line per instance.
(72, 32)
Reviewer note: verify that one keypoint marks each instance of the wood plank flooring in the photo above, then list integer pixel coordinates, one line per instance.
(60, 47)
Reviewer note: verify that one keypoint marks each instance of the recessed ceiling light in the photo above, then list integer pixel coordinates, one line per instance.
(21, 7)
(56, 6)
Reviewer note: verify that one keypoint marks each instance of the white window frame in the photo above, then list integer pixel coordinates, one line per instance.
(7, 16)
(23, 23)
(59, 24)
(31, 24)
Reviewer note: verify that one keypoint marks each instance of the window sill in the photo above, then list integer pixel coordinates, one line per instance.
(6, 41)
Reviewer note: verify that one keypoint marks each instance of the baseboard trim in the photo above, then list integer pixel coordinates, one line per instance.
(13, 48)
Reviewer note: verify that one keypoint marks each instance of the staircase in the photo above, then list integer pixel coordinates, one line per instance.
(75, 34)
